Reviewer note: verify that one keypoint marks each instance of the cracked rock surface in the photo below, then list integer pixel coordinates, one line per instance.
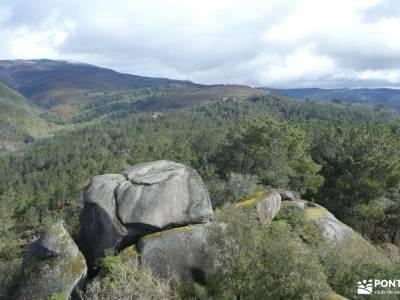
(121, 208)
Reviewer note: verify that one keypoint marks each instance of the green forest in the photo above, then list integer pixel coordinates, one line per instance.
(344, 157)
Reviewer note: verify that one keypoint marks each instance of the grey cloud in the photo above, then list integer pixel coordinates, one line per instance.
(165, 38)
(359, 55)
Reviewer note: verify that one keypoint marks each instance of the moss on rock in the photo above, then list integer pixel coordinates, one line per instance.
(129, 253)
(257, 197)
(159, 234)
(53, 265)
(74, 266)
(316, 212)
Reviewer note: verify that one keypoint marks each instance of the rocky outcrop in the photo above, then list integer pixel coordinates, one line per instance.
(332, 230)
(121, 208)
(52, 265)
(178, 253)
(184, 252)
(266, 203)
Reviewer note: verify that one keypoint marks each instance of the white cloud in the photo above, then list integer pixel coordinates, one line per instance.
(274, 43)
(22, 41)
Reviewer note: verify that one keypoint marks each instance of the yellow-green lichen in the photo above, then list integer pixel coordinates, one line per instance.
(159, 234)
(129, 253)
(56, 229)
(73, 267)
(316, 212)
(257, 197)
(286, 204)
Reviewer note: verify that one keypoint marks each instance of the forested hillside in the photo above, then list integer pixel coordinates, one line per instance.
(342, 156)
(41, 97)
(19, 121)
(378, 97)
(337, 154)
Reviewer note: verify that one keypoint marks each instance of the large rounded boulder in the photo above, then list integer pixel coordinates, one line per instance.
(121, 208)
(181, 253)
(52, 265)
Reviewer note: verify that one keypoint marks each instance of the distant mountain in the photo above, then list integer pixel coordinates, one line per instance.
(39, 97)
(382, 97)
(48, 82)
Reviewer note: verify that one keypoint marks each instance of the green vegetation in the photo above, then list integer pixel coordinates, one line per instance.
(19, 121)
(257, 262)
(361, 167)
(276, 152)
(160, 234)
(10, 273)
(58, 296)
(381, 97)
(129, 253)
(355, 259)
(315, 149)
(127, 280)
(255, 198)
(343, 157)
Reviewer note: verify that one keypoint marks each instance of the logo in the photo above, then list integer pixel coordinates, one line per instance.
(365, 287)
(378, 287)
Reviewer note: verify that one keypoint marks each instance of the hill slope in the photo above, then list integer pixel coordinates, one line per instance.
(18, 119)
(48, 83)
(388, 98)
(77, 92)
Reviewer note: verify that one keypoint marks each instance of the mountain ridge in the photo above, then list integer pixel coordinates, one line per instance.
(61, 94)
(383, 97)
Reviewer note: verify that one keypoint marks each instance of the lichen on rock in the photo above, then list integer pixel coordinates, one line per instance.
(267, 204)
(180, 253)
(52, 265)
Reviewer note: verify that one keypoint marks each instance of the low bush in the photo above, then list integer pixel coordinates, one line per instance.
(258, 262)
(127, 280)
(353, 261)
(9, 276)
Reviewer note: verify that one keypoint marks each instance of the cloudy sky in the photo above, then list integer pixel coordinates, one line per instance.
(275, 43)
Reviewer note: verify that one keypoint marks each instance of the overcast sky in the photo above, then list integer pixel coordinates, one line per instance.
(275, 43)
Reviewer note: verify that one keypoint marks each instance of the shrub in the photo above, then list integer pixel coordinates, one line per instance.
(236, 187)
(127, 280)
(353, 261)
(242, 186)
(9, 277)
(58, 296)
(9, 246)
(299, 223)
(217, 190)
(258, 262)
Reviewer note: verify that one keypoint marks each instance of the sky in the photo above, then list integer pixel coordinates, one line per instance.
(273, 43)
